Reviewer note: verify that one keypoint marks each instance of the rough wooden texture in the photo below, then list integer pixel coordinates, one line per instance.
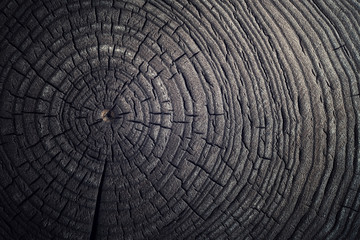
(163, 119)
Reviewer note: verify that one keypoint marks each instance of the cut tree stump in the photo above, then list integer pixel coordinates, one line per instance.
(186, 119)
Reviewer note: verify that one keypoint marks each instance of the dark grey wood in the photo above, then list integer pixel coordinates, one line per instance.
(163, 119)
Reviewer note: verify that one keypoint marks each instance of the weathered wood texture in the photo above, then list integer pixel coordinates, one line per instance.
(163, 119)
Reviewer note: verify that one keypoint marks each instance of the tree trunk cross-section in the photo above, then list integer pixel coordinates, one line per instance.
(179, 119)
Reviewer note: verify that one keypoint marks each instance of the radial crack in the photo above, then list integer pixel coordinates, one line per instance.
(95, 223)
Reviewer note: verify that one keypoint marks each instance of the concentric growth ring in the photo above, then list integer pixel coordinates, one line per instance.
(162, 119)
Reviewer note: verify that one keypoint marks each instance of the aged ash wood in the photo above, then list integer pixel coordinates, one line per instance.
(164, 119)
